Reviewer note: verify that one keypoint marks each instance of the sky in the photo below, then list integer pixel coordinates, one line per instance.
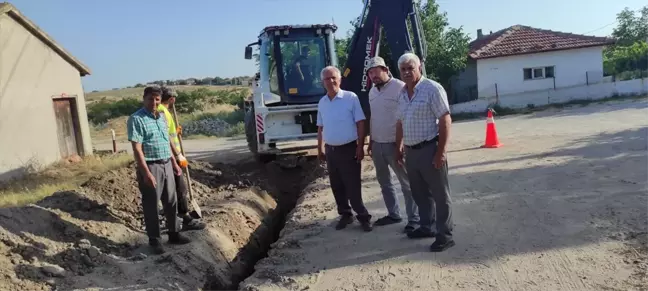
(125, 42)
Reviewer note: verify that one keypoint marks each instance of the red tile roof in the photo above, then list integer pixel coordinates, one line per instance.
(519, 39)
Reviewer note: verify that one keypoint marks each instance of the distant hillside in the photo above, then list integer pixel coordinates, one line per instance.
(119, 94)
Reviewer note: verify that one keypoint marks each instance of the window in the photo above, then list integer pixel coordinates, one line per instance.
(538, 73)
(272, 66)
(303, 58)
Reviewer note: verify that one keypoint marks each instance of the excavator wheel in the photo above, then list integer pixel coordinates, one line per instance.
(251, 137)
(250, 131)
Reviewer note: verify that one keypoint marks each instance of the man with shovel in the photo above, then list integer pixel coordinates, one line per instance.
(188, 222)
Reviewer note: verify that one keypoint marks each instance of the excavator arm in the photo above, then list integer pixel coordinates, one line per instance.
(392, 16)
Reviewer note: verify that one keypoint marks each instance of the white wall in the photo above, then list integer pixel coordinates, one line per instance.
(31, 73)
(546, 97)
(507, 72)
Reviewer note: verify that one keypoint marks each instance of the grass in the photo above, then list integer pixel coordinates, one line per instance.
(503, 111)
(35, 186)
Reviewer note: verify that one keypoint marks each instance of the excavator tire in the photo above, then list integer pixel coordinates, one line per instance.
(251, 137)
(250, 131)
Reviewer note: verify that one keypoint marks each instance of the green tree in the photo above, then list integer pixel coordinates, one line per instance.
(626, 58)
(629, 55)
(631, 28)
(447, 47)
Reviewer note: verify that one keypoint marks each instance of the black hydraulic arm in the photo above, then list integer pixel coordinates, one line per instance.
(392, 16)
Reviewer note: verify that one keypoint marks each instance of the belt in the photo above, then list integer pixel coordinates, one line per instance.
(333, 147)
(162, 161)
(423, 143)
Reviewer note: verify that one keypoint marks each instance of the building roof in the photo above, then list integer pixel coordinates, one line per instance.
(520, 39)
(7, 8)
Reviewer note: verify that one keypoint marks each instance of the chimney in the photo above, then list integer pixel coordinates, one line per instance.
(479, 33)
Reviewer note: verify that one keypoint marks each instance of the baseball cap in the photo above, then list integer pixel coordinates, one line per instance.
(377, 62)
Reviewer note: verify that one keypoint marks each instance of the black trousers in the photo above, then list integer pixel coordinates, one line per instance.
(344, 176)
(182, 194)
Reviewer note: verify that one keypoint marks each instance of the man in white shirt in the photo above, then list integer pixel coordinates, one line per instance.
(340, 129)
(383, 99)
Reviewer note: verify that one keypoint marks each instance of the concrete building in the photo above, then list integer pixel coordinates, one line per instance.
(42, 105)
(522, 59)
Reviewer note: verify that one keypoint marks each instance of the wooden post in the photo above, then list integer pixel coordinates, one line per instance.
(114, 141)
(496, 94)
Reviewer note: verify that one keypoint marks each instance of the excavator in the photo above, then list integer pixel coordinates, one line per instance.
(288, 87)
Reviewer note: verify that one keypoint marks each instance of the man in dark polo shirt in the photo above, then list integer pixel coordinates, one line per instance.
(156, 167)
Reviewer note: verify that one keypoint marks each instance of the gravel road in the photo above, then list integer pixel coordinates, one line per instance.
(561, 206)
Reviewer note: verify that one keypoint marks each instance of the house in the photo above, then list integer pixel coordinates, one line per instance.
(42, 105)
(522, 59)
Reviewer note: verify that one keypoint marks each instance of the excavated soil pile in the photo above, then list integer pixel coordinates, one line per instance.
(93, 238)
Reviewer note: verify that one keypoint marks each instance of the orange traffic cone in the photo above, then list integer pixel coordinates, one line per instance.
(491, 133)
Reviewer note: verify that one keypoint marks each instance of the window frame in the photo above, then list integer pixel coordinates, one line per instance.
(532, 71)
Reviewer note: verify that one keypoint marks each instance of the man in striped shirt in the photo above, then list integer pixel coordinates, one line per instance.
(156, 166)
(424, 128)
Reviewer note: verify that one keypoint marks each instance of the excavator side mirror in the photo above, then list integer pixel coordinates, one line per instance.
(248, 52)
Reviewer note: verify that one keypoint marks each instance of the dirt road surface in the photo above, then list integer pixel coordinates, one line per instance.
(561, 206)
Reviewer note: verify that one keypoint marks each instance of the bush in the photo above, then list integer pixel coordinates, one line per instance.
(232, 118)
(186, 102)
(100, 112)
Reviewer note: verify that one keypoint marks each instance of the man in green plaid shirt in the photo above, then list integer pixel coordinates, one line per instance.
(156, 167)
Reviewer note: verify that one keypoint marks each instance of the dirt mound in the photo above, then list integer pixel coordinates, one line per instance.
(94, 238)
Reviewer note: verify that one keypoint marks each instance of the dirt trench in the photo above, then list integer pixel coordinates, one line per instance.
(94, 239)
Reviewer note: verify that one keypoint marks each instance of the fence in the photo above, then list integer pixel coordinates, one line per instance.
(605, 88)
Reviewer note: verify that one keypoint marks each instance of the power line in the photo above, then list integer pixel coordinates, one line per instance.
(614, 22)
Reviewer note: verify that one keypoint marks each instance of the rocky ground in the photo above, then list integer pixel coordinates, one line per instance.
(208, 127)
(93, 239)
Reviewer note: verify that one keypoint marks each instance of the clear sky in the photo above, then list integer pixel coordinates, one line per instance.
(125, 42)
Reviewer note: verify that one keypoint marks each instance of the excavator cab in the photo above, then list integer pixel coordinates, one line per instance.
(283, 106)
(290, 60)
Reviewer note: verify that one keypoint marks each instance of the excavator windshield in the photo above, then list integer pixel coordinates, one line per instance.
(294, 63)
(302, 61)
(290, 60)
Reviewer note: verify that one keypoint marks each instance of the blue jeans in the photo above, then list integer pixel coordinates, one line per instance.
(384, 157)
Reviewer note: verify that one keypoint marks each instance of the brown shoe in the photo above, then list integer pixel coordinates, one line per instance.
(156, 246)
(344, 221)
(366, 226)
(176, 238)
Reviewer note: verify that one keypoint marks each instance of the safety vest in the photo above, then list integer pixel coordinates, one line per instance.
(173, 133)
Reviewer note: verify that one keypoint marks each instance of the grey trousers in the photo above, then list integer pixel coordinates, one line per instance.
(344, 176)
(164, 191)
(384, 157)
(430, 189)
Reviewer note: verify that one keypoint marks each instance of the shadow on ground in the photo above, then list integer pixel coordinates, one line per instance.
(595, 192)
(592, 107)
